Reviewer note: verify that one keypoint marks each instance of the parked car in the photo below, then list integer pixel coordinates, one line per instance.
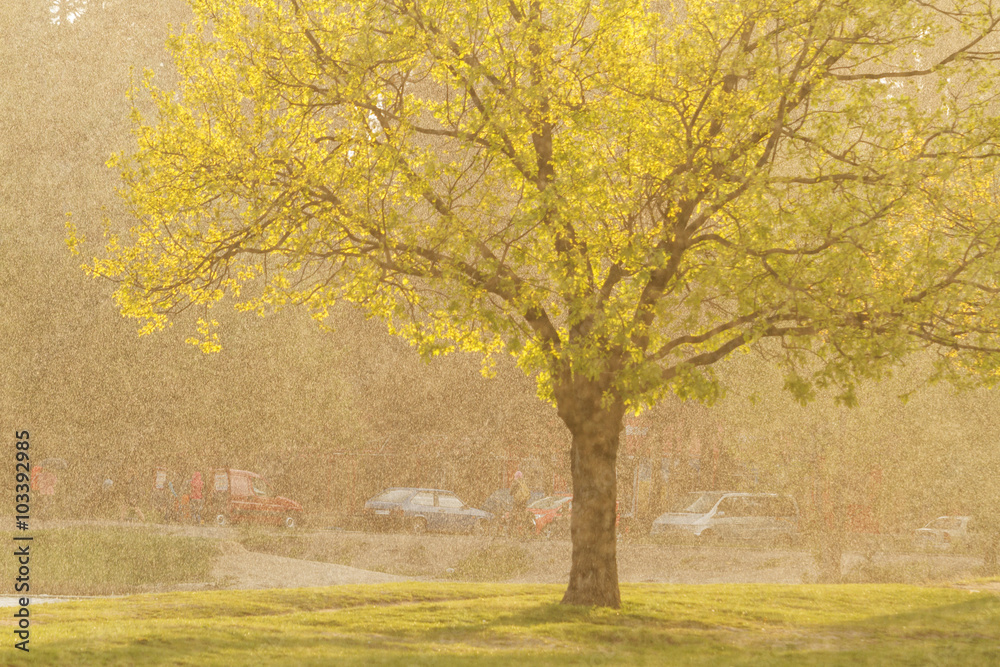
(551, 515)
(705, 515)
(240, 495)
(944, 532)
(424, 510)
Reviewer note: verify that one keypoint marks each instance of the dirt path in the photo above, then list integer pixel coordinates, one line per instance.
(261, 558)
(433, 557)
(242, 569)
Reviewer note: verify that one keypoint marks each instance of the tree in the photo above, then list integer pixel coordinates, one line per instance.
(868, 476)
(619, 194)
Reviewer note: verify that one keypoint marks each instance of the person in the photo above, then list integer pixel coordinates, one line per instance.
(197, 500)
(184, 502)
(173, 503)
(519, 494)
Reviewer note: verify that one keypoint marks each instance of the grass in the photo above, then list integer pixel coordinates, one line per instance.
(109, 561)
(493, 624)
(496, 562)
(917, 572)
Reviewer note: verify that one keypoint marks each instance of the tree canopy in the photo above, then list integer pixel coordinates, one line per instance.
(618, 193)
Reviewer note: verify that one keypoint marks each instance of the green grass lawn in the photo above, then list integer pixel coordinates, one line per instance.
(495, 624)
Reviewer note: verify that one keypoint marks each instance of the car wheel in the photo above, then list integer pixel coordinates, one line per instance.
(221, 520)
(290, 522)
(418, 525)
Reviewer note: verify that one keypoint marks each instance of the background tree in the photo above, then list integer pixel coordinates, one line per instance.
(866, 478)
(619, 194)
(112, 403)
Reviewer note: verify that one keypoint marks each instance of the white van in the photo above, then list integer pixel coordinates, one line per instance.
(727, 516)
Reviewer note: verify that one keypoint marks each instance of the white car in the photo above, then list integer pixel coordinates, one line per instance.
(944, 532)
(705, 515)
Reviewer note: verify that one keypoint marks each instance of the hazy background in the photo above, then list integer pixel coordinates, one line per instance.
(316, 410)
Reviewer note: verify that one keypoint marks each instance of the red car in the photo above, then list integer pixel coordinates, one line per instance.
(239, 495)
(551, 515)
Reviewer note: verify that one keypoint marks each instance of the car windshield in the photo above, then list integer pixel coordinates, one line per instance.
(260, 487)
(450, 502)
(392, 496)
(550, 502)
(695, 503)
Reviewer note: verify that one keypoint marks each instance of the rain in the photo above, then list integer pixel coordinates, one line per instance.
(307, 455)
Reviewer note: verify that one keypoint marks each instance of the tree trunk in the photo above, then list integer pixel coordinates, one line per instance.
(593, 578)
(653, 506)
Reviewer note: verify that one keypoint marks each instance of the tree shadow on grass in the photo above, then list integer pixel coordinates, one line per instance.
(962, 633)
(499, 630)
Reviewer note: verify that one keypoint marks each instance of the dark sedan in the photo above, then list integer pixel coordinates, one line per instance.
(425, 510)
